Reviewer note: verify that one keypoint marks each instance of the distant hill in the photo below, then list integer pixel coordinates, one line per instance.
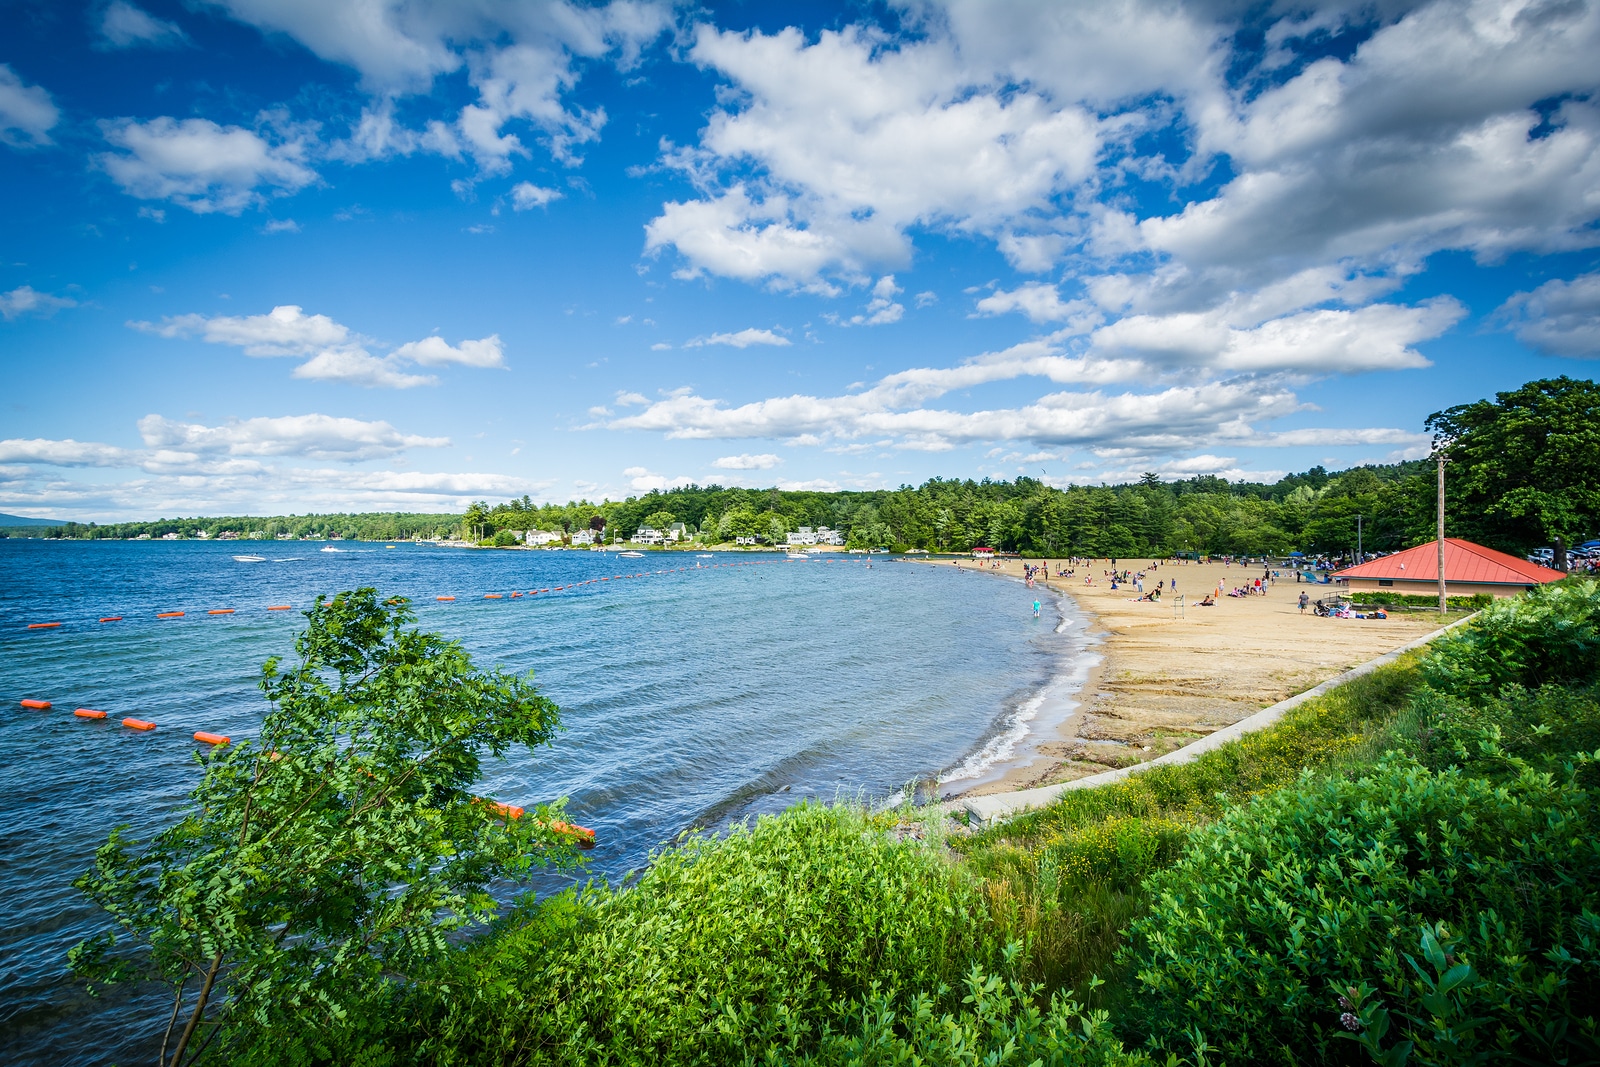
(22, 520)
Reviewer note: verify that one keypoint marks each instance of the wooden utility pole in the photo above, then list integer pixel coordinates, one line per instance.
(1442, 598)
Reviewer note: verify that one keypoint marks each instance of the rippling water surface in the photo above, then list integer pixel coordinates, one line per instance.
(690, 698)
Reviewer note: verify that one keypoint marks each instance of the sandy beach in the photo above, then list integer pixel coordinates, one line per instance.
(1169, 675)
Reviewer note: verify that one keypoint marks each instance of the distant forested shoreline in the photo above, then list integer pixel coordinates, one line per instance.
(1314, 511)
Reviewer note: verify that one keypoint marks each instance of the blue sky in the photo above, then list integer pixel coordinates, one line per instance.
(293, 255)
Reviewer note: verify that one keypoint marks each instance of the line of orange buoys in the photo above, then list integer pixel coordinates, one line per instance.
(220, 739)
(583, 837)
(55, 625)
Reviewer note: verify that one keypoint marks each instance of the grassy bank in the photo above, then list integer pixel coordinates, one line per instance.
(1403, 871)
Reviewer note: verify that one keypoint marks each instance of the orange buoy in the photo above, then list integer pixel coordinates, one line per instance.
(169, 614)
(38, 705)
(112, 618)
(88, 713)
(584, 835)
(559, 588)
(220, 611)
(138, 724)
(444, 598)
(280, 607)
(211, 739)
(515, 595)
(43, 625)
(492, 596)
(510, 811)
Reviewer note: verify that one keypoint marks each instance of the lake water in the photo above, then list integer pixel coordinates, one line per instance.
(699, 692)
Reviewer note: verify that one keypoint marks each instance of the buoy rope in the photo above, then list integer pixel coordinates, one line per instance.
(57, 624)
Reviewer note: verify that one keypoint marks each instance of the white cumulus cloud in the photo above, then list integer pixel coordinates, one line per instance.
(200, 165)
(882, 309)
(852, 142)
(1040, 303)
(526, 195)
(742, 339)
(435, 351)
(1561, 318)
(25, 300)
(644, 480)
(315, 436)
(331, 350)
(125, 25)
(746, 462)
(27, 114)
(242, 466)
(522, 61)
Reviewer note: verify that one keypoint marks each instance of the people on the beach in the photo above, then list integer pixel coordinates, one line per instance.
(1305, 599)
(1036, 606)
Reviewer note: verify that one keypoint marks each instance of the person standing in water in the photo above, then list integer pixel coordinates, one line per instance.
(1036, 606)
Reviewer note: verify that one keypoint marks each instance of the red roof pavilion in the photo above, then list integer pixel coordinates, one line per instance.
(1464, 564)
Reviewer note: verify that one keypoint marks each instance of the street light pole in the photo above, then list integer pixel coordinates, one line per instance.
(1358, 538)
(1442, 597)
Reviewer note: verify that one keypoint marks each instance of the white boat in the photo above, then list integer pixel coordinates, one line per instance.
(798, 555)
(330, 548)
(250, 559)
(631, 555)
(705, 555)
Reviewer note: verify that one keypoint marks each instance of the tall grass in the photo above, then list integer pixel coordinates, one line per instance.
(1068, 879)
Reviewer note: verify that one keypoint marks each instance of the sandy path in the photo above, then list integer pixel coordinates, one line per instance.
(1169, 677)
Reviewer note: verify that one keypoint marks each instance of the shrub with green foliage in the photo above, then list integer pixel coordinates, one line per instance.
(1445, 910)
(321, 868)
(1499, 737)
(1551, 634)
(1476, 602)
(1000, 1023)
(759, 939)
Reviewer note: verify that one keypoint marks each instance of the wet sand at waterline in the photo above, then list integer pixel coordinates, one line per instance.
(1170, 676)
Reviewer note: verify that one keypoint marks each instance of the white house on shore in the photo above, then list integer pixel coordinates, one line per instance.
(648, 535)
(583, 537)
(820, 536)
(539, 538)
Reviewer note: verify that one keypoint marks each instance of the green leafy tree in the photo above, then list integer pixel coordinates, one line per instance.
(475, 519)
(1524, 468)
(660, 520)
(774, 526)
(321, 868)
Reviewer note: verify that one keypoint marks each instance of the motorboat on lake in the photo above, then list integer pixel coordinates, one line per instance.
(250, 559)
(630, 555)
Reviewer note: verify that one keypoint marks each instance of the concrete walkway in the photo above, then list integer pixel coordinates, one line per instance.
(999, 806)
